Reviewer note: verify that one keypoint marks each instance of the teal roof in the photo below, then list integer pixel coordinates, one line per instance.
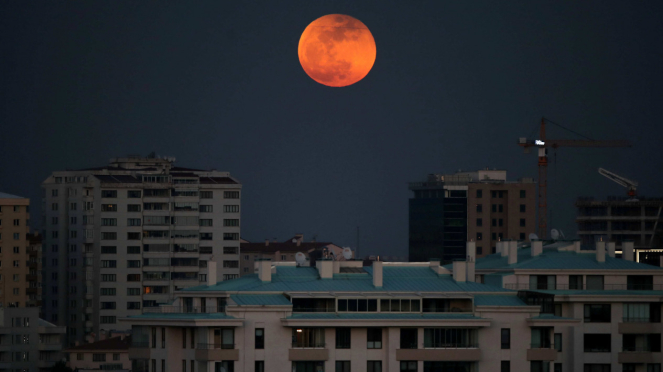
(260, 300)
(306, 279)
(182, 316)
(498, 300)
(4, 195)
(379, 316)
(552, 259)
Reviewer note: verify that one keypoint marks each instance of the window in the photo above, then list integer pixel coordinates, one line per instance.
(17, 236)
(494, 222)
(500, 208)
(16, 250)
(133, 207)
(206, 222)
(596, 368)
(54, 206)
(408, 338)
(133, 277)
(260, 338)
(479, 193)
(650, 342)
(506, 338)
(108, 236)
(522, 222)
(450, 338)
(231, 208)
(653, 367)
(493, 208)
(231, 264)
(539, 366)
(558, 342)
(505, 366)
(479, 236)
(133, 291)
(206, 194)
(108, 263)
(545, 282)
(54, 220)
(640, 282)
(575, 282)
(108, 277)
(595, 282)
(597, 313)
(109, 222)
(133, 235)
(107, 305)
(133, 250)
(109, 207)
(557, 367)
(597, 342)
(133, 193)
(361, 305)
(206, 208)
(342, 366)
(206, 236)
(231, 194)
(109, 193)
(479, 208)
(374, 338)
(107, 291)
(224, 338)
(522, 194)
(163, 337)
(230, 222)
(479, 222)
(308, 337)
(133, 263)
(374, 366)
(133, 221)
(108, 250)
(647, 312)
(260, 366)
(229, 250)
(98, 357)
(342, 338)
(522, 208)
(108, 320)
(408, 366)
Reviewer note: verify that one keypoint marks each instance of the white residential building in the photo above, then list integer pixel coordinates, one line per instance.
(126, 236)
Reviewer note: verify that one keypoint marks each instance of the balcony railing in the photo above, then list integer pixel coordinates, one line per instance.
(308, 345)
(205, 346)
(313, 310)
(641, 349)
(564, 287)
(140, 344)
(628, 319)
(542, 345)
(183, 309)
(447, 345)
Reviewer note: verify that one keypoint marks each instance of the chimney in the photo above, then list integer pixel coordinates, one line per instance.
(471, 249)
(576, 246)
(513, 252)
(299, 242)
(265, 269)
(537, 247)
(505, 248)
(460, 271)
(266, 242)
(325, 268)
(627, 250)
(600, 251)
(611, 249)
(211, 272)
(377, 274)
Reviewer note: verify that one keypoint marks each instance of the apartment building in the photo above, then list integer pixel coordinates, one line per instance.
(620, 219)
(447, 210)
(286, 251)
(127, 235)
(538, 309)
(28, 343)
(109, 354)
(19, 273)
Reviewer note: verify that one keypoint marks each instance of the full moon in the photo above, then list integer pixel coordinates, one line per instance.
(337, 50)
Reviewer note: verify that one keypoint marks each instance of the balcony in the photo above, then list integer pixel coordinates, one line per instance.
(139, 350)
(638, 326)
(536, 353)
(638, 355)
(309, 351)
(183, 309)
(564, 287)
(449, 352)
(207, 352)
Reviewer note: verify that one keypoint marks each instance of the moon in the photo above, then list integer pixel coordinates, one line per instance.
(336, 50)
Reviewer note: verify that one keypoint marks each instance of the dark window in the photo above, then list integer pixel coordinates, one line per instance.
(183, 338)
(522, 208)
(594, 282)
(575, 282)
(479, 236)
(597, 313)
(522, 236)
(597, 368)
(558, 341)
(479, 193)
(374, 366)
(558, 367)
(628, 367)
(408, 338)
(260, 338)
(342, 338)
(505, 366)
(109, 193)
(650, 343)
(539, 366)
(374, 338)
(154, 337)
(408, 366)
(640, 282)
(493, 208)
(500, 208)
(342, 366)
(479, 222)
(479, 250)
(260, 364)
(506, 338)
(163, 338)
(522, 222)
(494, 222)
(522, 193)
(541, 338)
(597, 342)
(479, 208)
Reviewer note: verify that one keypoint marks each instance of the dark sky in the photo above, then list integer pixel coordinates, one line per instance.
(218, 84)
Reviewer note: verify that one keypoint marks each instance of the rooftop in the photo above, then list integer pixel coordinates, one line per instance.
(4, 195)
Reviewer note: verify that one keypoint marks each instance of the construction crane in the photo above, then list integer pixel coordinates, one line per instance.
(543, 144)
(630, 185)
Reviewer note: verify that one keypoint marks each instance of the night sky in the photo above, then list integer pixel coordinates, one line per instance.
(218, 84)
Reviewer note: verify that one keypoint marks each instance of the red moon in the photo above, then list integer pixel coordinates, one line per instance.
(337, 50)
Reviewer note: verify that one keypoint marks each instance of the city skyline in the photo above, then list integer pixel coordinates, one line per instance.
(453, 87)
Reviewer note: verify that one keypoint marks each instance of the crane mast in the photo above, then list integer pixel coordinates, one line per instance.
(543, 144)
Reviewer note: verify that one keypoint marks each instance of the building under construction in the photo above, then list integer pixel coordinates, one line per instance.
(622, 219)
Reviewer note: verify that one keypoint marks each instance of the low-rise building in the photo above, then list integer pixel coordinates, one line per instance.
(28, 343)
(109, 354)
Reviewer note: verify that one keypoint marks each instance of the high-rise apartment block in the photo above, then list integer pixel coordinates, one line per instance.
(483, 206)
(19, 260)
(126, 236)
(620, 219)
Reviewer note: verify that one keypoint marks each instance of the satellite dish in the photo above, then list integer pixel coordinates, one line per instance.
(554, 234)
(533, 236)
(347, 253)
(300, 258)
